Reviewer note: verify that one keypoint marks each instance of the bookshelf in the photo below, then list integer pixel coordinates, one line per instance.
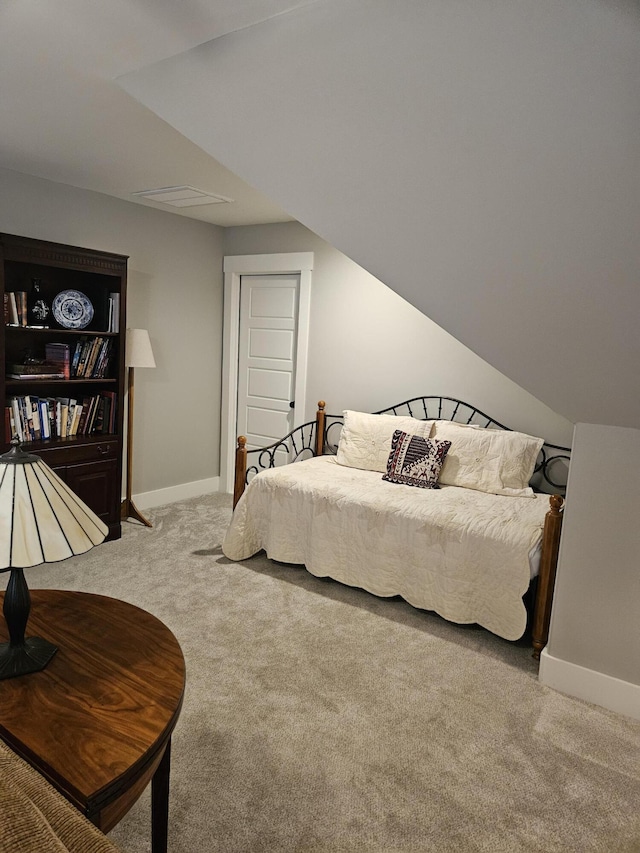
(66, 369)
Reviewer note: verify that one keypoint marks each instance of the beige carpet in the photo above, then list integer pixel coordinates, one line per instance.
(319, 718)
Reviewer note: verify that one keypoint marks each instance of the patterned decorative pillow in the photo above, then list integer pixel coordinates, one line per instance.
(415, 461)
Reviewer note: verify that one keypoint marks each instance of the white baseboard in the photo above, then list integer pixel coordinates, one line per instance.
(596, 687)
(160, 497)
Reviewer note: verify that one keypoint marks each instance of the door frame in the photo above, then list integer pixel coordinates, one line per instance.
(234, 267)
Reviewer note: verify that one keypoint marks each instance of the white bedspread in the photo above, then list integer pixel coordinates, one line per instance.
(460, 552)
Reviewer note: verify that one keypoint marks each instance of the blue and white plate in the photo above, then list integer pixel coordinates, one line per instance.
(72, 309)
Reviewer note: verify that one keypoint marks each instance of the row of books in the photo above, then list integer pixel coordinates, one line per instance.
(89, 359)
(15, 308)
(37, 418)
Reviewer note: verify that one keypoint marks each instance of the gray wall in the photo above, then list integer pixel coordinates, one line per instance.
(174, 291)
(596, 611)
(369, 348)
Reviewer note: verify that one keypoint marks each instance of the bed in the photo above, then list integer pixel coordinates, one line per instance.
(474, 542)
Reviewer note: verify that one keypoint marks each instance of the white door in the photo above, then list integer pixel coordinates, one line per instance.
(298, 265)
(267, 358)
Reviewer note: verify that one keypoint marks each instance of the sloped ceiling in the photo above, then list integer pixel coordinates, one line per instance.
(483, 159)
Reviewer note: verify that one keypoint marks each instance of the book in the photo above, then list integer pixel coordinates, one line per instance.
(13, 309)
(51, 411)
(109, 414)
(35, 376)
(82, 357)
(32, 418)
(34, 369)
(58, 418)
(91, 419)
(59, 354)
(75, 418)
(15, 426)
(43, 411)
(13, 430)
(21, 303)
(64, 417)
(76, 356)
(99, 418)
(35, 414)
(114, 312)
(92, 358)
(17, 419)
(82, 422)
(102, 363)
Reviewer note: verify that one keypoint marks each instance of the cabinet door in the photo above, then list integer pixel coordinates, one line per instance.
(96, 484)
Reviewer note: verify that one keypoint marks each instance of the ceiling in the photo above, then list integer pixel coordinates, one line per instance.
(65, 119)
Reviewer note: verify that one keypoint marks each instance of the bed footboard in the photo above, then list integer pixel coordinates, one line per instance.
(547, 574)
(303, 442)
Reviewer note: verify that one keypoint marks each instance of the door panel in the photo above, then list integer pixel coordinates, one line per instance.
(273, 301)
(269, 344)
(270, 383)
(266, 424)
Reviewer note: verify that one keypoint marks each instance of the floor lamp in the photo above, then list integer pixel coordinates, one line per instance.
(138, 353)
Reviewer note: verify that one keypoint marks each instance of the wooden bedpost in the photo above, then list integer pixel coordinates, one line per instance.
(320, 418)
(547, 574)
(241, 469)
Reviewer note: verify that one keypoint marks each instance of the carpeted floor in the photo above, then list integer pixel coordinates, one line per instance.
(319, 718)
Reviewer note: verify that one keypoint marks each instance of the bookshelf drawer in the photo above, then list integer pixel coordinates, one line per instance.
(72, 453)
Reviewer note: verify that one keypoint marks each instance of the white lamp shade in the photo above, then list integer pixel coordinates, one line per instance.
(138, 352)
(41, 519)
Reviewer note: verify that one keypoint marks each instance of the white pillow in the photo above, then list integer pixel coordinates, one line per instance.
(365, 440)
(489, 460)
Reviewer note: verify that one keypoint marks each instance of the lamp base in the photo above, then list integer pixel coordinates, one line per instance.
(129, 510)
(32, 656)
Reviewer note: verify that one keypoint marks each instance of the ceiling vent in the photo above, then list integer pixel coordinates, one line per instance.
(182, 196)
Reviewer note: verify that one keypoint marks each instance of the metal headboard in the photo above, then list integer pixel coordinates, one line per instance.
(550, 474)
(552, 466)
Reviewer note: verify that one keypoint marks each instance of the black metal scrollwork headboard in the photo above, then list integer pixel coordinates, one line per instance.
(550, 474)
(552, 466)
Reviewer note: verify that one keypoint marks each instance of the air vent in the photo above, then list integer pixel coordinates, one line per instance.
(182, 196)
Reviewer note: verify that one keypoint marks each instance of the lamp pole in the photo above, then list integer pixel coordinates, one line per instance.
(128, 508)
(138, 354)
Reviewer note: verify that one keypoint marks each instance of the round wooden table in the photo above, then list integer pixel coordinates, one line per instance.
(97, 722)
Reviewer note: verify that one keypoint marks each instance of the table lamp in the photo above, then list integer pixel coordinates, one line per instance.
(138, 353)
(41, 521)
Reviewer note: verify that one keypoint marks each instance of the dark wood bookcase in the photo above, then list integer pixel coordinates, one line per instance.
(91, 464)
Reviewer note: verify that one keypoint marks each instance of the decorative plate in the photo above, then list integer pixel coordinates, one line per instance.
(72, 309)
